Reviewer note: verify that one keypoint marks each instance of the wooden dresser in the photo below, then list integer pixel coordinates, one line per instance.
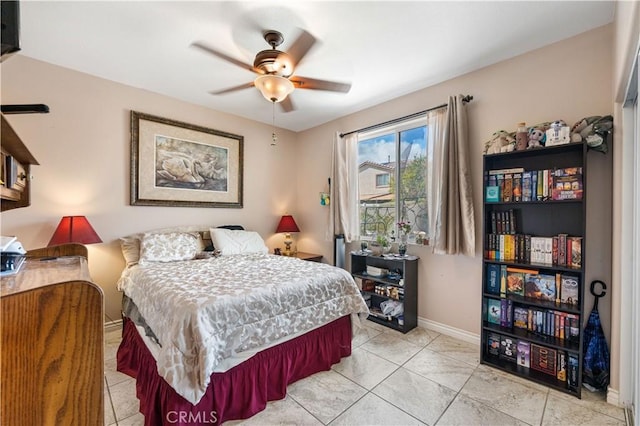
(51, 360)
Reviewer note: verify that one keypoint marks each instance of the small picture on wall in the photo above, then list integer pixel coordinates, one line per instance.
(324, 199)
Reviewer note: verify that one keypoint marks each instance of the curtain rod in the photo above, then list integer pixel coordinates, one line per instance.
(467, 98)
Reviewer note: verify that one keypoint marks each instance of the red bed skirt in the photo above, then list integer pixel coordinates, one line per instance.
(240, 392)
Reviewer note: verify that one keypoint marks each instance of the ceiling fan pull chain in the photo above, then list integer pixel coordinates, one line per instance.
(274, 138)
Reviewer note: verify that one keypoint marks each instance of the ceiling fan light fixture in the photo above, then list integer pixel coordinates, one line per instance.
(273, 87)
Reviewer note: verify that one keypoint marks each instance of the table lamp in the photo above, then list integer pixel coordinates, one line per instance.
(74, 229)
(287, 225)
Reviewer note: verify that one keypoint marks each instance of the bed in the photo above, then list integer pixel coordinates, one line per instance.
(214, 329)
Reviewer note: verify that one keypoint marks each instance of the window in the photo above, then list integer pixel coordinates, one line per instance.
(382, 179)
(392, 180)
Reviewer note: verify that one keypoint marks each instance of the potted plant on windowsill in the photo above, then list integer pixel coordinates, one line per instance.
(380, 246)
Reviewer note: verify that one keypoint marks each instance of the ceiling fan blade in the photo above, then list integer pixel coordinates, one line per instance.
(232, 89)
(224, 56)
(287, 104)
(301, 47)
(314, 84)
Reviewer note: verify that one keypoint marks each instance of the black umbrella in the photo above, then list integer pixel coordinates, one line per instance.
(595, 372)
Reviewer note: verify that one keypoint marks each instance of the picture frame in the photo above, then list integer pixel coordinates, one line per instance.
(177, 164)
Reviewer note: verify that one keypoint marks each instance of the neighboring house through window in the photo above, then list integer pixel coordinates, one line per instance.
(393, 164)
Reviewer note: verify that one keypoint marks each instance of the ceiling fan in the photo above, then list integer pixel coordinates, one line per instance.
(276, 68)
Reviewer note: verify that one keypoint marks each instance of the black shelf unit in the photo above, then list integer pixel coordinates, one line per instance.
(407, 268)
(540, 218)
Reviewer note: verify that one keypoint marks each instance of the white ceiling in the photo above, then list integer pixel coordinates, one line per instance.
(385, 49)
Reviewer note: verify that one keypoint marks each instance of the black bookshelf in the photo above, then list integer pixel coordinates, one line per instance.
(539, 218)
(406, 268)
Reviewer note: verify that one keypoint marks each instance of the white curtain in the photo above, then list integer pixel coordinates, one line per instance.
(450, 201)
(436, 123)
(344, 215)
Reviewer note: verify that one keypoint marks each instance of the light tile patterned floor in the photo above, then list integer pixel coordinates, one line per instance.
(421, 378)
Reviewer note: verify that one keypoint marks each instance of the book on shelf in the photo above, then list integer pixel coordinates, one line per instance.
(572, 371)
(507, 188)
(562, 249)
(526, 186)
(515, 280)
(567, 184)
(493, 344)
(546, 176)
(516, 190)
(508, 348)
(506, 312)
(492, 194)
(493, 311)
(541, 287)
(543, 359)
(503, 280)
(520, 315)
(500, 184)
(561, 369)
(493, 278)
(494, 222)
(523, 351)
(542, 250)
(574, 326)
(574, 252)
(492, 190)
(569, 290)
(513, 225)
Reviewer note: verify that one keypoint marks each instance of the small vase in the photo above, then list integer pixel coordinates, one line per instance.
(402, 247)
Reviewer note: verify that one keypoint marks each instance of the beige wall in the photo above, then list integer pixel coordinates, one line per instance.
(566, 80)
(83, 148)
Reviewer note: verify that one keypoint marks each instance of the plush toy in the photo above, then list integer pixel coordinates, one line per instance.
(500, 141)
(558, 133)
(537, 137)
(594, 131)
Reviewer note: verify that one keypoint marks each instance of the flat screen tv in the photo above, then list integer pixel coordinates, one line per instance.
(10, 28)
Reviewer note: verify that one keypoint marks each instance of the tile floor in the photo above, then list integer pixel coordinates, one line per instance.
(421, 378)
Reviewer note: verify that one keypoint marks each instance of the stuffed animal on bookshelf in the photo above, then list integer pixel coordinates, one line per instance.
(594, 131)
(500, 141)
(537, 137)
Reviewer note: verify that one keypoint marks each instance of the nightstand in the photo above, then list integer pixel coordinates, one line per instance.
(309, 256)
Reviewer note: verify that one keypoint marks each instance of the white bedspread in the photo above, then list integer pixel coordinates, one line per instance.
(204, 311)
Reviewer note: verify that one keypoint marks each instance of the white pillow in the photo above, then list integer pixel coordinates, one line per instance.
(170, 247)
(237, 242)
(130, 244)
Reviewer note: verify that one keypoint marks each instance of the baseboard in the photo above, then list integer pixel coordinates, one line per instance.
(112, 326)
(629, 416)
(449, 331)
(613, 396)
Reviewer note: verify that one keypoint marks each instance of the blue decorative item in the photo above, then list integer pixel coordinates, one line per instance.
(596, 352)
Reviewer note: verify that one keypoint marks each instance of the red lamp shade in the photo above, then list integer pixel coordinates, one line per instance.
(74, 229)
(287, 224)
